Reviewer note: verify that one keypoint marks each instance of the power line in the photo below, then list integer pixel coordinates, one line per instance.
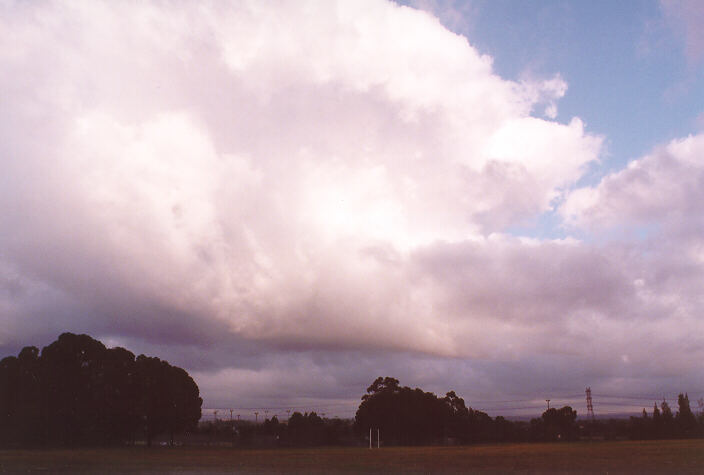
(485, 405)
(556, 398)
(516, 408)
(642, 398)
(262, 408)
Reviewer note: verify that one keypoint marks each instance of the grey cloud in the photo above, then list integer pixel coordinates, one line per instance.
(508, 279)
(182, 183)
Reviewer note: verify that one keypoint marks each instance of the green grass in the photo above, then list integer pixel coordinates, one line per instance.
(685, 456)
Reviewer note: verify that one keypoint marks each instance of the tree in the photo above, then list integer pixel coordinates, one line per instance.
(457, 419)
(149, 374)
(184, 402)
(72, 374)
(306, 429)
(120, 393)
(480, 427)
(639, 427)
(21, 398)
(668, 426)
(505, 430)
(382, 385)
(657, 430)
(411, 416)
(560, 424)
(9, 400)
(168, 398)
(403, 415)
(685, 421)
(78, 392)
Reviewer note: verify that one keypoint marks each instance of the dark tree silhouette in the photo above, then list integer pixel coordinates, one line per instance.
(152, 378)
(183, 402)
(9, 370)
(663, 425)
(403, 415)
(306, 429)
(20, 397)
(668, 420)
(169, 398)
(411, 416)
(560, 424)
(120, 391)
(78, 392)
(685, 421)
(73, 379)
(457, 419)
(641, 427)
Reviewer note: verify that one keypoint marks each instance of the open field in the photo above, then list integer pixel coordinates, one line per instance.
(685, 456)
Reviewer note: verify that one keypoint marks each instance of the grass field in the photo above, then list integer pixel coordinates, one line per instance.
(614, 457)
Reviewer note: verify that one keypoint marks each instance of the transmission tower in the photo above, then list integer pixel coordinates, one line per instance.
(590, 407)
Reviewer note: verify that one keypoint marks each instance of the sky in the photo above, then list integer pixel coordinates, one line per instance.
(289, 199)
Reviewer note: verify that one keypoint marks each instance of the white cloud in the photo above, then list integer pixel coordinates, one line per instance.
(317, 175)
(660, 189)
(206, 163)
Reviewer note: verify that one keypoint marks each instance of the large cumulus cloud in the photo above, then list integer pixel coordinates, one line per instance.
(256, 188)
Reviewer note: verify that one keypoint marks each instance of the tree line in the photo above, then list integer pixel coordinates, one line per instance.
(403, 416)
(408, 416)
(78, 392)
(663, 424)
(300, 430)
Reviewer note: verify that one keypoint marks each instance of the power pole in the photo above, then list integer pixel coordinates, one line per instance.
(378, 439)
(548, 401)
(370, 437)
(590, 407)
(256, 417)
(215, 415)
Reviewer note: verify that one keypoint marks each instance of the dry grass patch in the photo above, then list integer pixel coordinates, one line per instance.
(686, 456)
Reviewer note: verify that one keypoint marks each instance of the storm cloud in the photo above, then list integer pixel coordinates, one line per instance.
(292, 198)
